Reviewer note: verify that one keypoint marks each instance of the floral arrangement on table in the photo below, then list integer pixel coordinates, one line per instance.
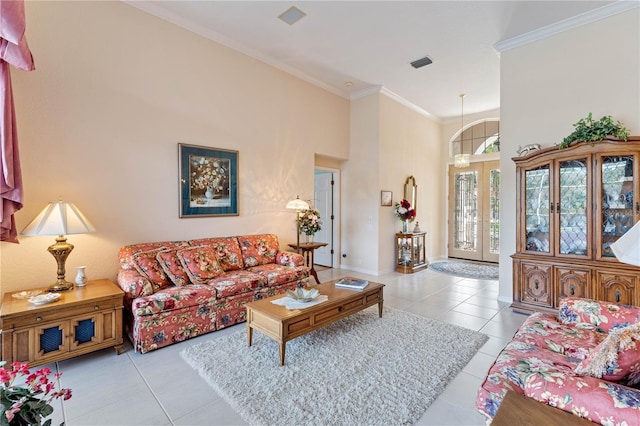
(27, 404)
(310, 222)
(209, 175)
(404, 211)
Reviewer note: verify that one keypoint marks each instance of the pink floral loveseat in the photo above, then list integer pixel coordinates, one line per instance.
(176, 290)
(585, 361)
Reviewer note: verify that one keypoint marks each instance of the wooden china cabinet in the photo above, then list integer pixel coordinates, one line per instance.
(572, 204)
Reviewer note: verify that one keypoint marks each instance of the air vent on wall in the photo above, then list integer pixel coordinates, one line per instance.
(421, 62)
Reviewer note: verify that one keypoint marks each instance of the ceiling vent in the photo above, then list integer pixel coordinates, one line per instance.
(292, 15)
(419, 63)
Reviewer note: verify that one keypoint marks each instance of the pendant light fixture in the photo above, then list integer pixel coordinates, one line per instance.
(462, 160)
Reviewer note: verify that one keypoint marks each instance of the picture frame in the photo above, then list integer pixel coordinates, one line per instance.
(386, 198)
(208, 181)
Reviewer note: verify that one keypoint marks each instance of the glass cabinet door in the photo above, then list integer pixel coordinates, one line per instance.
(571, 207)
(617, 200)
(537, 212)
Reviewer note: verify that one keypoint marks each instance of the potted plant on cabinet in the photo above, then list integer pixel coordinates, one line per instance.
(591, 131)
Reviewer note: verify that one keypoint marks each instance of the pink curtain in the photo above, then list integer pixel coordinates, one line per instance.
(15, 51)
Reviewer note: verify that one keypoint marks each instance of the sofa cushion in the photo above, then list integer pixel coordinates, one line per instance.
(593, 314)
(543, 331)
(134, 284)
(148, 266)
(172, 266)
(258, 249)
(616, 358)
(236, 282)
(172, 298)
(278, 274)
(125, 254)
(288, 258)
(227, 251)
(596, 400)
(200, 263)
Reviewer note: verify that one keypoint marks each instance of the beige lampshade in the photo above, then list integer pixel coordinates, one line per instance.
(59, 218)
(298, 204)
(627, 248)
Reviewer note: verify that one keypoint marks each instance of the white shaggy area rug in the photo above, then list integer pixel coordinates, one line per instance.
(362, 370)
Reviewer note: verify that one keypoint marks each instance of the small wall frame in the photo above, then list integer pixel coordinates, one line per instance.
(386, 198)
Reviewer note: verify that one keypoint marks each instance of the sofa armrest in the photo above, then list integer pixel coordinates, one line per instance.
(594, 399)
(287, 258)
(595, 314)
(134, 284)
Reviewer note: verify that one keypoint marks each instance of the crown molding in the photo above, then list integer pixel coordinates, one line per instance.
(567, 24)
(160, 12)
(388, 93)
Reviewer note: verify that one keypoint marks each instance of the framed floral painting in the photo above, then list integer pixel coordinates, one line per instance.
(208, 181)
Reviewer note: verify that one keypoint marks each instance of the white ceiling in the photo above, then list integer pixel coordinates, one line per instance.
(371, 43)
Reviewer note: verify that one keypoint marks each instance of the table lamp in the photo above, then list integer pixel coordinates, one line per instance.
(59, 218)
(627, 247)
(298, 205)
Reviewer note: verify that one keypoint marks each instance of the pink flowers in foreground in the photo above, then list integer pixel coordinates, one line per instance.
(27, 404)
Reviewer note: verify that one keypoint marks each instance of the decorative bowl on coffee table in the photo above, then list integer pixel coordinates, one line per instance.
(303, 294)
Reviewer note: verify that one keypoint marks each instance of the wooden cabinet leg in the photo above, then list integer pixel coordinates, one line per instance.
(282, 348)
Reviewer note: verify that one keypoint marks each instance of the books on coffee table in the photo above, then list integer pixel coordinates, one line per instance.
(352, 283)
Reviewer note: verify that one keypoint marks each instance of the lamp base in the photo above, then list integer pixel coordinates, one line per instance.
(60, 286)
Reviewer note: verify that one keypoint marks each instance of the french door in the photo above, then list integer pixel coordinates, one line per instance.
(474, 211)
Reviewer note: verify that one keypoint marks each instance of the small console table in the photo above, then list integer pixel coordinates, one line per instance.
(307, 251)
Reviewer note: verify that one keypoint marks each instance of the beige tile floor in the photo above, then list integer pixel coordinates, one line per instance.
(158, 388)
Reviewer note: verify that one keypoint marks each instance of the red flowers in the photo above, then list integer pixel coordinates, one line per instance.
(404, 211)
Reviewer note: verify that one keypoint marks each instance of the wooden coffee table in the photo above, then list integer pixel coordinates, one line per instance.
(282, 324)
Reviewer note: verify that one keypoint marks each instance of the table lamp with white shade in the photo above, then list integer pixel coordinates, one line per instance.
(298, 205)
(59, 218)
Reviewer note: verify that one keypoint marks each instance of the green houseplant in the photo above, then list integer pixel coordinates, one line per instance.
(591, 131)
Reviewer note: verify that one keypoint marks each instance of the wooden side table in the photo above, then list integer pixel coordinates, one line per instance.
(83, 320)
(307, 252)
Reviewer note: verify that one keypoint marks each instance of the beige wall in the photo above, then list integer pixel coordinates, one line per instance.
(550, 84)
(114, 92)
(360, 181)
(389, 142)
(410, 146)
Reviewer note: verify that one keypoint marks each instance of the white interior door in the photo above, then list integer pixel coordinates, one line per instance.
(323, 201)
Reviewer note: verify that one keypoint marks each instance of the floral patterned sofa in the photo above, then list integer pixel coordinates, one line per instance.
(585, 361)
(176, 290)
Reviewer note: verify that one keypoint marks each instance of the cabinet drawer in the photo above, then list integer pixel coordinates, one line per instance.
(617, 288)
(336, 311)
(536, 284)
(40, 317)
(299, 325)
(373, 298)
(573, 282)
